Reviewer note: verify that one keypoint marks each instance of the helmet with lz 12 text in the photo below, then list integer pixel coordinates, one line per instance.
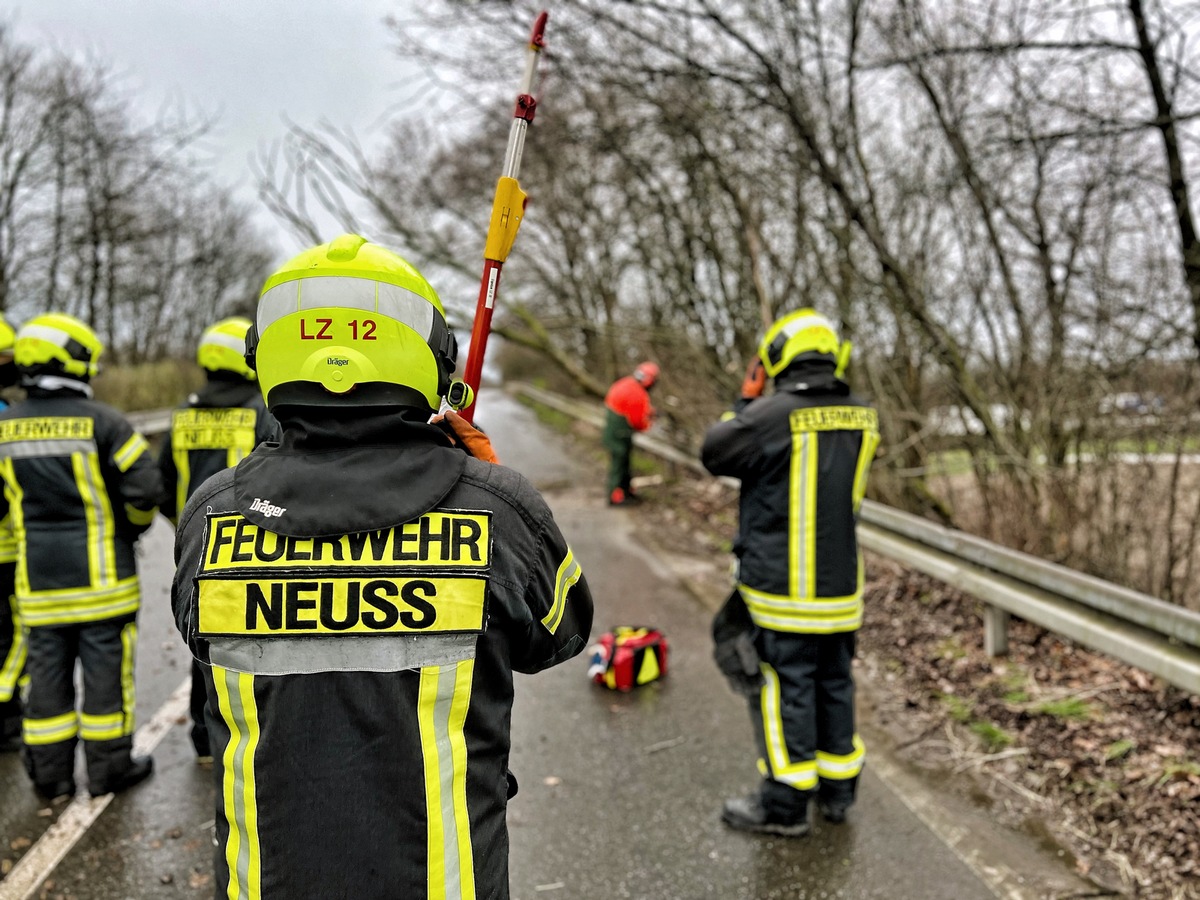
(222, 347)
(802, 336)
(350, 323)
(57, 344)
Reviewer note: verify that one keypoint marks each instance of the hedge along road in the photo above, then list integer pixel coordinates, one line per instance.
(619, 793)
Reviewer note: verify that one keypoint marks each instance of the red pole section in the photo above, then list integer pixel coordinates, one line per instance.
(508, 208)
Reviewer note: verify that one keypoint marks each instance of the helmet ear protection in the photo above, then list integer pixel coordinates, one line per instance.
(252, 345)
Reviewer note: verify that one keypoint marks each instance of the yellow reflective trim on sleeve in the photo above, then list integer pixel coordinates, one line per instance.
(140, 516)
(16, 512)
(568, 574)
(866, 455)
(800, 775)
(52, 730)
(106, 727)
(8, 541)
(14, 661)
(842, 768)
(236, 703)
(444, 696)
(458, 540)
(130, 451)
(362, 605)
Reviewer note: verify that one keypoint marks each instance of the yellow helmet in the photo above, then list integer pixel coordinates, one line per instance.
(351, 323)
(222, 347)
(57, 344)
(804, 334)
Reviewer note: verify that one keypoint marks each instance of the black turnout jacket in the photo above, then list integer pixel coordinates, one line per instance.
(79, 487)
(217, 428)
(802, 454)
(361, 594)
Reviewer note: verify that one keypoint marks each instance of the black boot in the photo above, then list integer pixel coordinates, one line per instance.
(748, 814)
(138, 771)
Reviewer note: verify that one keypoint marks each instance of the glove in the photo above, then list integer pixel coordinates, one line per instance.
(755, 381)
(733, 646)
(463, 434)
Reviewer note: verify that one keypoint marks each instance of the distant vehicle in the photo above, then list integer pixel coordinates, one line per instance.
(1130, 403)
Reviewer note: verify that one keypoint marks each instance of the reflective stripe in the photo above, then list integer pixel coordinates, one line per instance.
(389, 300)
(220, 339)
(807, 615)
(375, 653)
(568, 574)
(802, 515)
(800, 775)
(50, 335)
(140, 516)
(104, 727)
(130, 451)
(53, 730)
(14, 662)
(8, 542)
(235, 699)
(61, 607)
(443, 700)
(842, 768)
(98, 515)
(56, 447)
(866, 454)
(129, 636)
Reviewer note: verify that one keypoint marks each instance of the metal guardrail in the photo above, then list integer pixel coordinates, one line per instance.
(1135, 628)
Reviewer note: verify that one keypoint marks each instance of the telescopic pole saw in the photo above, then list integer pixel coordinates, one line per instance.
(508, 208)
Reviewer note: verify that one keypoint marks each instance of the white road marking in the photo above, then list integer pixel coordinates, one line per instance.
(28, 874)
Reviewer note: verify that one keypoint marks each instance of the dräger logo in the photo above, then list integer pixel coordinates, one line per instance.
(337, 361)
(267, 508)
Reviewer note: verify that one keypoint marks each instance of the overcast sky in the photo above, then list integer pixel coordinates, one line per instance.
(251, 61)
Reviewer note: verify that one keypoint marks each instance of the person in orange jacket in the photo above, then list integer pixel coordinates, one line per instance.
(628, 410)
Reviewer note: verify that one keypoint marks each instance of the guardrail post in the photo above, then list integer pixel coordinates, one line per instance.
(995, 631)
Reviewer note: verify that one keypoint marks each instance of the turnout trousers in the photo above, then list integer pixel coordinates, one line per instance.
(12, 656)
(618, 440)
(804, 721)
(52, 726)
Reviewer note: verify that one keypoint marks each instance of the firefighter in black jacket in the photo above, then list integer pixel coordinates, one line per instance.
(802, 455)
(360, 594)
(12, 638)
(217, 427)
(80, 487)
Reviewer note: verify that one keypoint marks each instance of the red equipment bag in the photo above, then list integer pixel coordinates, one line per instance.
(628, 657)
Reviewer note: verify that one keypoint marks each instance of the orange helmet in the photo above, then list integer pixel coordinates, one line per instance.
(646, 373)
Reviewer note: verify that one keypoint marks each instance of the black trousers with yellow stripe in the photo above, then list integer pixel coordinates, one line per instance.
(804, 721)
(104, 721)
(12, 656)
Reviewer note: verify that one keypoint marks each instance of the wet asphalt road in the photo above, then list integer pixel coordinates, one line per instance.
(619, 794)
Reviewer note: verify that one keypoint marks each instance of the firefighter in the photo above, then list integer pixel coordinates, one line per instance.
(80, 487)
(216, 428)
(360, 595)
(627, 409)
(802, 455)
(12, 640)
